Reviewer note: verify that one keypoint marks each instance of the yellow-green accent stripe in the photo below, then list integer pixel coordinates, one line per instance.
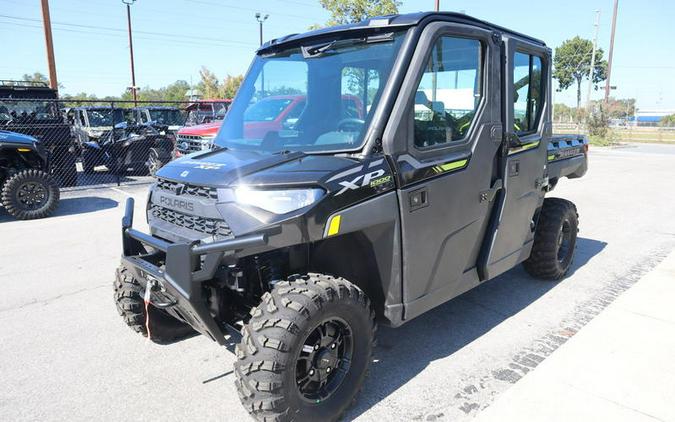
(551, 157)
(453, 165)
(524, 147)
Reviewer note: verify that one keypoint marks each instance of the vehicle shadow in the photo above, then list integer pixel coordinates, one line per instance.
(404, 352)
(70, 206)
(81, 205)
(104, 178)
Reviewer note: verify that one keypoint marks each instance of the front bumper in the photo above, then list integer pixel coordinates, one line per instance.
(179, 269)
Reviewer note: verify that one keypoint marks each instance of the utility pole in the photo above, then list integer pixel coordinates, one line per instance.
(133, 86)
(608, 85)
(49, 42)
(595, 48)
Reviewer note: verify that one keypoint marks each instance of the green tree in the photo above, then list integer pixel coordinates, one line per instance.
(231, 86)
(352, 11)
(209, 84)
(668, 121)
(563, 113)
(620, 108)
(572, 63)
(35, 77)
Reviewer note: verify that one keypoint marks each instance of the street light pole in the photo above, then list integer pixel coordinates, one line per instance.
(438, 5)
(595, 48)
(608, 86)
(260, 18)
(131, 51)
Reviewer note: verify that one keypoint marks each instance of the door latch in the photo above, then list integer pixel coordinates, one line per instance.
(418, 199)
(489, 195)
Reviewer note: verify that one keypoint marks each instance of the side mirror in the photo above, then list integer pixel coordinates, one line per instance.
(289, 123)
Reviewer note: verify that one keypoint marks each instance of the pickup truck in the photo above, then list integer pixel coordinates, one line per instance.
(269, 115)
(296, 241)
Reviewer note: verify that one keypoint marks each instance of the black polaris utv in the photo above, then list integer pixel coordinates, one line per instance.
(303, 235)
(32, 108)
(27, 189)
(111, 137)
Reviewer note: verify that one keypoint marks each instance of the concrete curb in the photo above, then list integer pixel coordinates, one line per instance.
(620, 366)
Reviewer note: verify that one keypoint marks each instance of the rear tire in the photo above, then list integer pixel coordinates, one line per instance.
(554, 240)
(306, 350)
(128, 296)
(30, 194)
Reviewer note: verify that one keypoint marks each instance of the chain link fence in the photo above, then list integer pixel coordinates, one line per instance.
(88, 143)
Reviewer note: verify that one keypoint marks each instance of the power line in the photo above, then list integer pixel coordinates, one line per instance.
(74, 25)
(247, 9)
(149, 38)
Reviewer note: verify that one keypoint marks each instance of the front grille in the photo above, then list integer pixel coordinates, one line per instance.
(185, 189)
(210, 226)
(192, 143)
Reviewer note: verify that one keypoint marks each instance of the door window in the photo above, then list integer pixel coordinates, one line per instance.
(527, 95)
(449, 92)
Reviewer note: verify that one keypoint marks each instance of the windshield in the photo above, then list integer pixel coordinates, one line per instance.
(17, 109)
(106, 116)
(316, 98)
(266, 109)
(167, 117)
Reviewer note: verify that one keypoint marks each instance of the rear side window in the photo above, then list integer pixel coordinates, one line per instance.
(449, 92)
(528, 93)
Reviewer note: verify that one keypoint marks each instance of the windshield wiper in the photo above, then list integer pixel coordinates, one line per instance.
(319, 50)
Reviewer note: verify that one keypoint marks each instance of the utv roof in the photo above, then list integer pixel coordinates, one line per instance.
(392, 22)
(5, 83)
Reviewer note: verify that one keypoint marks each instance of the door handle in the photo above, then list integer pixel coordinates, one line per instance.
(419, 198)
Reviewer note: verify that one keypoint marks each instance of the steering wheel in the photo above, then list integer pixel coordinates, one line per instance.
(350, 124)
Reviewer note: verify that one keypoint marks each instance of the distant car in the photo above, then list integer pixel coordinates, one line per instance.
(206, 111)
(171, 117)
(270, 114)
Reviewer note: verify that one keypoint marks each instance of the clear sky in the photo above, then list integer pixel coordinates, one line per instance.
(174, 38)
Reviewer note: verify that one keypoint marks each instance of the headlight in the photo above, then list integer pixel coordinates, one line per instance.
(278, 201)
(207, 142)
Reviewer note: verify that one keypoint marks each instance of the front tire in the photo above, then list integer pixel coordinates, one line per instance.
(128, 294)
(554, 240)
(306, 350)
(30, 194)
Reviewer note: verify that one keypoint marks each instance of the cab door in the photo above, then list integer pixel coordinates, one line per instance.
(443, 136)
(527, 132)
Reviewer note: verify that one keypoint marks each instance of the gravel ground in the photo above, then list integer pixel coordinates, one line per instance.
(66, 355)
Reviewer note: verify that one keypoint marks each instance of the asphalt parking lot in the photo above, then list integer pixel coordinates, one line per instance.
(66, 354)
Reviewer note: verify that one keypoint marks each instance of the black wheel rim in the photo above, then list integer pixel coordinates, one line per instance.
(324, 360)
(564, 241)
(32, 195)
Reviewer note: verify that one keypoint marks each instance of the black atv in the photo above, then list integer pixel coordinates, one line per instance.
(300, 231)
(31, 108)
(28, 191)
(137, 149)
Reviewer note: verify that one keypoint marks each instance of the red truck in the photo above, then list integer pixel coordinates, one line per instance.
(270, 114)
